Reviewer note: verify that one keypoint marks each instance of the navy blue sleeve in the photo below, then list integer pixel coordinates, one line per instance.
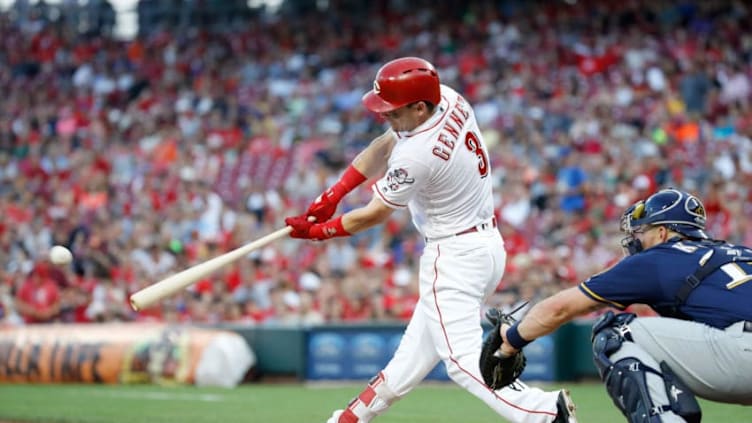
(630, 281)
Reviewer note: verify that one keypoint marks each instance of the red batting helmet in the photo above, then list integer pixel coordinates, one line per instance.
(401, 82)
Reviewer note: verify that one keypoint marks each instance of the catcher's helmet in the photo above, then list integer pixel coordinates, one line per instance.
(401, 82)
(677, 210)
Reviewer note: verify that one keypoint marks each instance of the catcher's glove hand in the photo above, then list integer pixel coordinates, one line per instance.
(499, 371)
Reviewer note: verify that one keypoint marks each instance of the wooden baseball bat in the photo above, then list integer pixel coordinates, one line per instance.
(172, 284)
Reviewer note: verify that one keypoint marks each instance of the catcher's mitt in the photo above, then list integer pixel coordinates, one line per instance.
(499, 371)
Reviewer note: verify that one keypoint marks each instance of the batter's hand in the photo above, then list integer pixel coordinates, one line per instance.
(323, 208)
(300, 226)
(303, 229)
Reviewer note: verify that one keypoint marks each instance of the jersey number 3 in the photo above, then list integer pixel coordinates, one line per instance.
(473, 144)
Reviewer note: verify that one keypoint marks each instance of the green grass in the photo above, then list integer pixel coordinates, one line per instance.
(280, 403)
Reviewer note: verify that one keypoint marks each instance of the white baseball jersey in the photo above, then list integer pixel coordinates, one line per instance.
(434, 171)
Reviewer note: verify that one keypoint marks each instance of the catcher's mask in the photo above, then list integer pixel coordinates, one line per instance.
(677, 210)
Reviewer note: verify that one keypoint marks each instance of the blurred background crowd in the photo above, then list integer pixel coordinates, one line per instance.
(145, 156)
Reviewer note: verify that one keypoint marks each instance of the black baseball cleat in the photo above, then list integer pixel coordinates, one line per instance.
(565, 408)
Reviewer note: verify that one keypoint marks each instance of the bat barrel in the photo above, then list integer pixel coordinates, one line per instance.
(172, 284)
(147, 296)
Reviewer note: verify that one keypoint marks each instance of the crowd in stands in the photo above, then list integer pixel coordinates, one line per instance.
(150, 155)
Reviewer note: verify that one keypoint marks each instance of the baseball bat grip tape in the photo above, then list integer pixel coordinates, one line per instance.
(172, 284)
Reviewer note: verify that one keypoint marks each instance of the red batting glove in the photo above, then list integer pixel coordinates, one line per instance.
(325, 205)
(303, 229)
(300, 226)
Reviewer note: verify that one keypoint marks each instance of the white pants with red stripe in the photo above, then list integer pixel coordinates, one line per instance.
(456, 275)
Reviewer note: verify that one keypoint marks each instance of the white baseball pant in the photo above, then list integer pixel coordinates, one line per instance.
(456, 275)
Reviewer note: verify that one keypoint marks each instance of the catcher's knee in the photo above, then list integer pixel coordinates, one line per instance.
(609, 333)
(626, 379)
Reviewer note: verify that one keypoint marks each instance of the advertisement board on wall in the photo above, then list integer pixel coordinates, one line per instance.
(360, 353)
(122, 353)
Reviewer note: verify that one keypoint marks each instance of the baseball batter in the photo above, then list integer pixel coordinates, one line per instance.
(434, 163)
(701, 345)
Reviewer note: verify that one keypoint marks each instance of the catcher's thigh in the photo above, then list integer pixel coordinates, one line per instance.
(716, 364)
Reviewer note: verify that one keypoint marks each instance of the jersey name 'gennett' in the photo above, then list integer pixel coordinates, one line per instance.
(449, 133)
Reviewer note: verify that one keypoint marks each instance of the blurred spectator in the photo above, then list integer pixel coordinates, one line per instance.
(108, 302)
(38, 299)
(694, 87)
(153, 259)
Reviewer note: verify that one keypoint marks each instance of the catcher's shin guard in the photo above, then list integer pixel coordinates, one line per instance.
(627, 379)
(681, 399)
(627, 385)
(374, 400)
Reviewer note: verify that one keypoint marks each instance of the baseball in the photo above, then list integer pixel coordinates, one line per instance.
(60, 255)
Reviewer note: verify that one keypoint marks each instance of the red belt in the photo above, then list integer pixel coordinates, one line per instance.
(476, 228)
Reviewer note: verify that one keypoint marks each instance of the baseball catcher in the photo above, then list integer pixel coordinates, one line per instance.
(499, 370)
